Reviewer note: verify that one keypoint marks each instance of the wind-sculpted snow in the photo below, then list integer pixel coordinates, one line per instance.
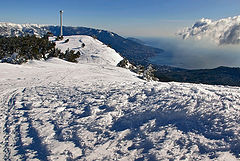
(223, 31)
(57, 110)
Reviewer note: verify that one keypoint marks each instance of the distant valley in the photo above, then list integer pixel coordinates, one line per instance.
(136, 52)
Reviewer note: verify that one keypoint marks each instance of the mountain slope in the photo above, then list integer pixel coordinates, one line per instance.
(223, 31)
(56, 110)
(93, 51)
(135, 52)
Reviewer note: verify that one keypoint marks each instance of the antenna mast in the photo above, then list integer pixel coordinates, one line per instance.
(61, 22)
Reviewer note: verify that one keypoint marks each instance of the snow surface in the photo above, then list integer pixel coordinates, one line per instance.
(56, 110)
(94, 51)
(223, 31)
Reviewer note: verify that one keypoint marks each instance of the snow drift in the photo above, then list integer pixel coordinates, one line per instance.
(57, 110)
(223, 31)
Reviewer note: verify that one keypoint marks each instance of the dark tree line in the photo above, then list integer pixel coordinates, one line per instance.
(17, 50)
(25, 48)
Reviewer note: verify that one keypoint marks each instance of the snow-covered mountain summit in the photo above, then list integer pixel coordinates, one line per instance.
(91, 50)
(223, 31)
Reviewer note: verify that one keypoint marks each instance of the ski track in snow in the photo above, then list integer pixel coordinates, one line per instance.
(57, 110)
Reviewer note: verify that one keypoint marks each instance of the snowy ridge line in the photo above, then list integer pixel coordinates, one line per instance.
(9, 24)
(223, 31)
(11, 29)
(93, 51)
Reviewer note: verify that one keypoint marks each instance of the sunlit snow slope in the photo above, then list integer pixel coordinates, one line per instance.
(56, 110)
(93, 50)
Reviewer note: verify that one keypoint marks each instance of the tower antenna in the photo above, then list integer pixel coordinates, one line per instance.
(61, 22)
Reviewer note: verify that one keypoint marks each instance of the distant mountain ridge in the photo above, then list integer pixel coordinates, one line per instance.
(135, 52)
(11, 29)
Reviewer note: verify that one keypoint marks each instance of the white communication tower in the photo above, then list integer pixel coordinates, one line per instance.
(61, 22)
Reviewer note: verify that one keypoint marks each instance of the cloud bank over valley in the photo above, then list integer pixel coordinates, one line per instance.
(223, 31)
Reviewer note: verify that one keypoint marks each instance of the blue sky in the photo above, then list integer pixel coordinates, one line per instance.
(153, 18)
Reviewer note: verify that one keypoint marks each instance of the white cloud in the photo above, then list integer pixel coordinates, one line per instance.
(223, 31)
